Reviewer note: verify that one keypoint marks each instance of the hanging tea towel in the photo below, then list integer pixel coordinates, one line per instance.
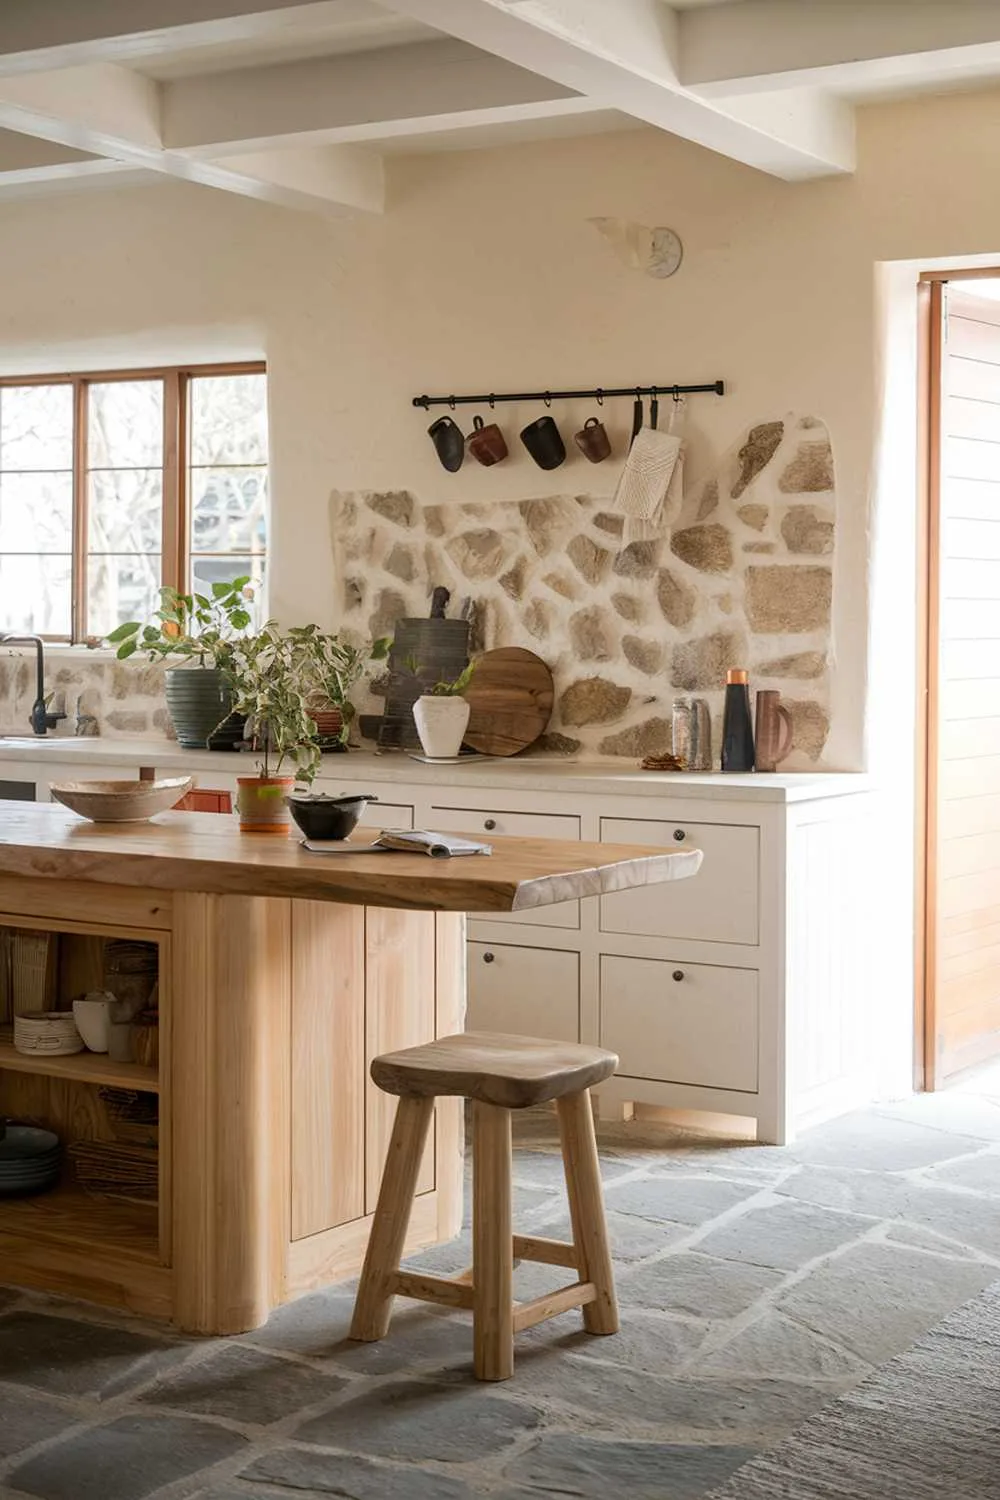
(650, 489)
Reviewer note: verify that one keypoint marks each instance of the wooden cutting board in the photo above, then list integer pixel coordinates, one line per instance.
(510, 695)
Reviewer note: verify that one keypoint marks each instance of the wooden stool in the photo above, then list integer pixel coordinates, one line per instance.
(499, 1073)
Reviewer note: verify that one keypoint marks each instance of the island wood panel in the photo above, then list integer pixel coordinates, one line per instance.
(400, 982)
(185, 852)
(231, 1131)
(89, 905)
(966, 884)
(328, 1066)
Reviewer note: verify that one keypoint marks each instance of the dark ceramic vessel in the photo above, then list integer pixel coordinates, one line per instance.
(323, 817)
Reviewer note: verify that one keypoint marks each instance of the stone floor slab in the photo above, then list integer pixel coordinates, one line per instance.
(681, 1200)
(70, 1357)
(411, 1420)
(26, 1420)
(783, 1236)
(657, 1345)
(880, 1142)
(778, 1347)
(293, 1470)
(958, 1113)
(630, 1237)
(244, 1384)
(876, 1299)
(312, 1325)
(980, 1173)
(968, 1218)
(564, 1465)
(126, 1460)
(697, 1284)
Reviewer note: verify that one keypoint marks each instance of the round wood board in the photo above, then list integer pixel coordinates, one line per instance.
(511, 696)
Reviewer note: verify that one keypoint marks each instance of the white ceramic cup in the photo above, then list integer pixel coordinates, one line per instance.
(91, 1015)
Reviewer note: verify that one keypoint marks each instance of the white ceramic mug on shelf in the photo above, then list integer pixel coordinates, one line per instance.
(92, 1015)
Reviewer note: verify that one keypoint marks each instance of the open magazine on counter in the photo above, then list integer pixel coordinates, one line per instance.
(402, 841)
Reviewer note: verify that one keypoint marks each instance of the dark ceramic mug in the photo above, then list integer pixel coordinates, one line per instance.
(543, 441)
(593, 441)
(487, 444)
(447, 438)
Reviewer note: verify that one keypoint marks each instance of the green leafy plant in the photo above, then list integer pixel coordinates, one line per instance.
(457, 687)
(334, 666)
(195, 626)
(268, 675)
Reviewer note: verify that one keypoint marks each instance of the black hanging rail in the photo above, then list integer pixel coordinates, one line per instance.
(600, 394)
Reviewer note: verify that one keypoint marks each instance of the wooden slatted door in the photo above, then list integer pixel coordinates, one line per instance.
(964, 876)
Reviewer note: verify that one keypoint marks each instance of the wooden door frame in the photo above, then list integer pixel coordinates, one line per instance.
(930, 364)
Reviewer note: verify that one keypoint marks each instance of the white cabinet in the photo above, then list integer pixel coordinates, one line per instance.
(494, 822)
(524, 991)
(718, 906)
(681, 1022)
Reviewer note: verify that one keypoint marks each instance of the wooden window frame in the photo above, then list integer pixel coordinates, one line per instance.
(930, 354)
(176, 549)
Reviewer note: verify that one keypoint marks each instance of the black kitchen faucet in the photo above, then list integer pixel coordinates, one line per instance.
(41, 720)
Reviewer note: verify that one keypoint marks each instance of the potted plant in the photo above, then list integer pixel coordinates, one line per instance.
(198, 632)
(270, 679)
(335, 666)
(442, 716)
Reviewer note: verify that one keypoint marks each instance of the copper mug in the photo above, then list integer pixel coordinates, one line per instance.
(487, 444)
(593, 441)
(773, 730)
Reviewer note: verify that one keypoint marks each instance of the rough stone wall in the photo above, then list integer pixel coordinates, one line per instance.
(126, 697)
(745, 579)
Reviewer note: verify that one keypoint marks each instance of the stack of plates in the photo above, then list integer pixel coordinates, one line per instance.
(52, 1032)
(29, 1160)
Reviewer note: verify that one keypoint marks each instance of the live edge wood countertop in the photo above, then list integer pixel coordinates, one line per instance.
(206, 852)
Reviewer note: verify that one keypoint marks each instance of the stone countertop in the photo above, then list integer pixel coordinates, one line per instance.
(522, 773)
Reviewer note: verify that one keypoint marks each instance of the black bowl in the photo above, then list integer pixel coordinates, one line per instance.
(323, 817)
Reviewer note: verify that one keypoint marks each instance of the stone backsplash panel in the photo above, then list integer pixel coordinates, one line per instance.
(125, 697)
(745, 579)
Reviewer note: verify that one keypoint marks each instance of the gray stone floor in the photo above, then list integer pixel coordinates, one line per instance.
(756, 1284)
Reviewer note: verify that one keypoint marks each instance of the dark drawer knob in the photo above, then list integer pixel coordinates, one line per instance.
(488, 958)
(679, 835)
(490, 824)
(678, 975)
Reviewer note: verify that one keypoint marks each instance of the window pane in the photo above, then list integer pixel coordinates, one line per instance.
(35, 595)
(126, 424)
(228, 419)
(36, 427)
(126, 510)
(208, 570)
(121, 588)
(228, 510)
(36, 512)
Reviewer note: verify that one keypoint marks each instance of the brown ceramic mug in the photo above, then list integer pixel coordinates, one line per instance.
(487, 444)
(773, 732)
(593, 441)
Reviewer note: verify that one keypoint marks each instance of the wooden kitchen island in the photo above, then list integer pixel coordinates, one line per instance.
(281, 974)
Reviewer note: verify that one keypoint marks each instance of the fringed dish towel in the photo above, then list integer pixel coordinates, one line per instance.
(651, 486)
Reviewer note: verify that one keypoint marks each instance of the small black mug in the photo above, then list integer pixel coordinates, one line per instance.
(447, 438)
(544, 442)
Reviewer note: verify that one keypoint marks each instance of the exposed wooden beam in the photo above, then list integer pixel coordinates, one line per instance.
(369, 96)
(625, 57)
(760, 45)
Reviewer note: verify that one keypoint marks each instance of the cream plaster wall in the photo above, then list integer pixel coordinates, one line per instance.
(485, 273)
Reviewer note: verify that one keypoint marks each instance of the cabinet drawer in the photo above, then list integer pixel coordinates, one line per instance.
(481, 822)
(698, 1028)
(524, 991)
(387, 815)
(718, 905)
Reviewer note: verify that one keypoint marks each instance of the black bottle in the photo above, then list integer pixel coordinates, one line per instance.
(737, 724)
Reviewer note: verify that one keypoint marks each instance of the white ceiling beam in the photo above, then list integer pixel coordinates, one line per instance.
(330, 179)
(359, 97)
(625, 56)
(42, 34)
(757, 45)
(112, 112)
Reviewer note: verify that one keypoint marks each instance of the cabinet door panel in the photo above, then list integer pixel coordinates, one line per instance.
(524, 991)
(718, 905)
(681, 1022)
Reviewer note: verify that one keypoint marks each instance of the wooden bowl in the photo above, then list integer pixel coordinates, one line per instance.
(121, 801)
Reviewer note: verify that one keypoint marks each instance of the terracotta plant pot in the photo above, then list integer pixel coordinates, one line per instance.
(441, 723)
(261, 803)
(329, 722)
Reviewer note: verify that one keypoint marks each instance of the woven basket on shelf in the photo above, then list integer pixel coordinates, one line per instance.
(111, 1169)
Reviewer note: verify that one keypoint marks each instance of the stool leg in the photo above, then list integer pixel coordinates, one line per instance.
(492, 1244)
(373, 1305)
(586, 1208)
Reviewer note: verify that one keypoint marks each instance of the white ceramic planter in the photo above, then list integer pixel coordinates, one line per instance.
(441, 724)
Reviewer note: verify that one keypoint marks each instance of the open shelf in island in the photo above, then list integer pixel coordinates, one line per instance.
(84, 1067)
(64, 1215)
